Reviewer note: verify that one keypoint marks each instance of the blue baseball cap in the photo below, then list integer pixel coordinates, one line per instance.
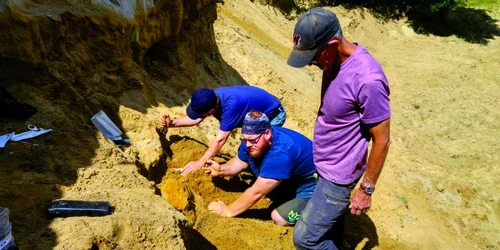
(202, 101)
(313, 29)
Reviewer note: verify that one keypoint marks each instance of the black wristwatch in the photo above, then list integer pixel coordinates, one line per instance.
(367, 189)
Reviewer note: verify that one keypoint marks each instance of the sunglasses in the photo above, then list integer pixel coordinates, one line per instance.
(252, 141)
(316, 56)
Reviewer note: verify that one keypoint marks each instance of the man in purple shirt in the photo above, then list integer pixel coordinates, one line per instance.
(354, 109)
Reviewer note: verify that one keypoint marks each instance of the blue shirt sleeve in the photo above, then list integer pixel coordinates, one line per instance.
(276, 166)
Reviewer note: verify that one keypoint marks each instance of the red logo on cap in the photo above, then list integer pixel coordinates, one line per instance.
(296, 40)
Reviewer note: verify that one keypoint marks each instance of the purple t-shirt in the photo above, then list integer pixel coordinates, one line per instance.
(354, 95)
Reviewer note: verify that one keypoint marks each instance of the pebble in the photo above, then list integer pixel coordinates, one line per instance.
(440, 188)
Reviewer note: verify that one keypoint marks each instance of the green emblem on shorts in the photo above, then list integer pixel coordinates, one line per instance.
(315, 175)
(293, 216)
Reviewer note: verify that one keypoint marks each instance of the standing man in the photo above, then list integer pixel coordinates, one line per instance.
(229, 105)
(280, 159)
(354, 109)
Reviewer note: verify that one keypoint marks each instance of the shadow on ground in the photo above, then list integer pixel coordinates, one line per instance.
(471, 25)
(439, 18)
(360, 232)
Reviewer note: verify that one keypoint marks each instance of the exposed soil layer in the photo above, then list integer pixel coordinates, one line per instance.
(438, 189)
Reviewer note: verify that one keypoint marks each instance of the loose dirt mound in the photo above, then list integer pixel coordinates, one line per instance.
(192, 194)
(140, 219)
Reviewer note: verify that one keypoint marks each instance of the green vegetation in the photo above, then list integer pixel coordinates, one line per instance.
(401, 8)
(474, 21)
(489, 5)
(403, 199)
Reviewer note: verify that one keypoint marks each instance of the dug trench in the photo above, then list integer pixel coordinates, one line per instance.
(191, 194)
(253, 229)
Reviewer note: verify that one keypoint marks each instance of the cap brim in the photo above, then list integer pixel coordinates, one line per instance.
(301, 58)
(192, 114)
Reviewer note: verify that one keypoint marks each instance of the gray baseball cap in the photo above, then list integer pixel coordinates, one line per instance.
(313, 29)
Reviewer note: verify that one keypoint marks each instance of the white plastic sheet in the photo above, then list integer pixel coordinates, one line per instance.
(29, 134)
(102, 122)
(4, 139)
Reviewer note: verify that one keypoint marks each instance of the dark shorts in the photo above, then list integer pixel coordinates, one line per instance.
(291, 210)
(280, 117)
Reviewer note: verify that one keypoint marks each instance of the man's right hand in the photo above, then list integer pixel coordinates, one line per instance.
(164, 121)
(360, 202)
(163, 124)
(212, 168)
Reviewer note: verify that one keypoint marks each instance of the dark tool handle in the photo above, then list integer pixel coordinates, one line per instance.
(68, 208)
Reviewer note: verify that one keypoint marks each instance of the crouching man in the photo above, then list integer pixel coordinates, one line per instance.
(281, 160)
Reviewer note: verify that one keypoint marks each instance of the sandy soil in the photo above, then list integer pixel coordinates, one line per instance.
(437, 190)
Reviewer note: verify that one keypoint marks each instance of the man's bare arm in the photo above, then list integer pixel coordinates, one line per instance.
(380, 133)
(259, 189)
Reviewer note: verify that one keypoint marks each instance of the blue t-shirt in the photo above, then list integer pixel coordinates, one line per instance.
(290, 159)
(237, 101)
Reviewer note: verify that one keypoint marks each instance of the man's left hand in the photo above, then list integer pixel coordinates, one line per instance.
(219, 208)
(192, 166)
(360, 202)
(212, 168)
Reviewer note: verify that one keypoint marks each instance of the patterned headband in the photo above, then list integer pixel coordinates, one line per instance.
(255, 125)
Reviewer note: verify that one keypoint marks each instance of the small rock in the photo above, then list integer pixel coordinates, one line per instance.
(142, 237)
(461, 223)
(160, 230)
(440, 188)
(416, 106)
(11, 153)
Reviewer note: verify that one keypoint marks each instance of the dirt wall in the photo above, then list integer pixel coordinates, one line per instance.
(70, 59)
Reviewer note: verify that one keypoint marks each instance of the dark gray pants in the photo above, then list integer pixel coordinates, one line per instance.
(321, 224)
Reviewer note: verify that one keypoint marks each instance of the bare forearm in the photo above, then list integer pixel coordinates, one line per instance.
(381, 134)
(230, 169)
(184, 122)
(244, 202)
(214, 147)
(376, 161)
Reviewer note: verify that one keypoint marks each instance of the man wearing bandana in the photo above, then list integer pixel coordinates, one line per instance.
(280, 159)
